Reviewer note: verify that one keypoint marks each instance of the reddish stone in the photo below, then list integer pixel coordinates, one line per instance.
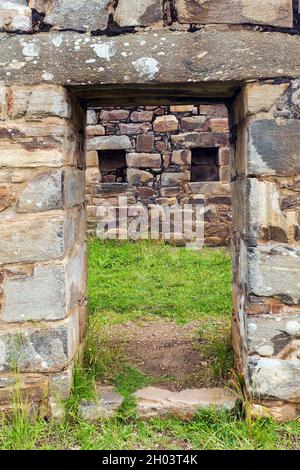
(145, 192)
(114, 115)
(141, 116)
(217, 110)
(219, 125)
(144, 143)
(167, 123)
(133, 129)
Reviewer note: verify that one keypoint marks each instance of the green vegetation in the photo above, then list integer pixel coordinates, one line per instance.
(130, 283)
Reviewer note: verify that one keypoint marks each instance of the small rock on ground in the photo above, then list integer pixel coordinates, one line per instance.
(104, 406)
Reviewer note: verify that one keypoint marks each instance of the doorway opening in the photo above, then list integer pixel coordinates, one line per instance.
(160, 313)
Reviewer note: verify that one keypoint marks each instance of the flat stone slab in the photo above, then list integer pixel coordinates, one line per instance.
(105, 406)
(69, 58)
(159, 402)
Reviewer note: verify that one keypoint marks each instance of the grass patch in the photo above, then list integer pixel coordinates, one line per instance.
(130, 281)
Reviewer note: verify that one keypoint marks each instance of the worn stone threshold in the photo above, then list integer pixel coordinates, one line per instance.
(154, 402)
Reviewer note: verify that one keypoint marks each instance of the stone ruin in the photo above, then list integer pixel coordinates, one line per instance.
(59, 58)
(166, 155)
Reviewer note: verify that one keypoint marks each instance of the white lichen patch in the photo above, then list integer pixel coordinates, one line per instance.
(106, 50)
(146, 67)
(30, 50)
(47, 76)
(57, 40)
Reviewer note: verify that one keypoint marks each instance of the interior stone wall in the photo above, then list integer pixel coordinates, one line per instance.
(55, 54)
(158, 141)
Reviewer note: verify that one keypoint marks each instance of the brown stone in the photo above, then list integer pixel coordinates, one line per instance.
(141, 116)
(172, 179)
(219, 125)
(183, 108)
(199, 139)
(145, 143)
(136, 177)
(6, 196)
(144, 160)
(114, 115)
(182, 157)
(166, 123)
(133, 129)
(195, 123)
(224, 156)
(95, 130)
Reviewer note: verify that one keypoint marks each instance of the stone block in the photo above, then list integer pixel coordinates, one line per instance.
(158, 402)
(42, 193)
(139, 12)
(73, 187)
(92, 159)
(195, 123)
(112, 142)
(136, 177)
(105, 406)
(31, 388)
(91, 117)
(114, 115)
(274, 271)
(182, 108)
(97, 129)
(219, 125)
(182, 157)
(37, 237)
(166, 123)
(173, 179)
(15, 16)
(199, 139)
(224, 156)
(260, 97)
(274, 378)
(76, 277)
(79, 14)
(145, 143)
(274, 148)
(211, 188)
(39, 145)
(144, 160)
(134, 129)
(60, 384)
(268, 12)
(214, 110)
(274, 336)
(39, 349)
(141, 116)
(48, 101)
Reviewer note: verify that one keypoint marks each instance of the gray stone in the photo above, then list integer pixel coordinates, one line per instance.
(172, 179)
(34, 349)
(207, 51)
(274, 147)
(79, 15)
(112, 142)
(274, 336)
(136, 177)
(35, 238)
(274, 378)
(41, 296)
(105, 406)
(199, 139)
(91, 117)
(278, 13)
(73, 187)
(139, 12)
(43, 193)
(60, 384)
(158, 402)
(15, 16)
(274, 271)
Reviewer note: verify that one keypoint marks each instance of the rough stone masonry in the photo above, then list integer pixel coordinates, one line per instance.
(56, 59)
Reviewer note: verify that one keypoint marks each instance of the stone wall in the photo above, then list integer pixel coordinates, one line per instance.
(266, 254)
(158, 141)
(42, 250)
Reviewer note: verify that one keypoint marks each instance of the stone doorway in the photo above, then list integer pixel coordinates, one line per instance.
(43, 271)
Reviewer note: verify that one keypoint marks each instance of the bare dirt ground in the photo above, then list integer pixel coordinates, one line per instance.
(170, 353)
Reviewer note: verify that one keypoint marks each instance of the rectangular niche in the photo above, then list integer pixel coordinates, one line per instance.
(205, 164)
(113, 166)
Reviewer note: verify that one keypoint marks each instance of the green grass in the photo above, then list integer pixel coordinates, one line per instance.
(129, 281)
(133, 282)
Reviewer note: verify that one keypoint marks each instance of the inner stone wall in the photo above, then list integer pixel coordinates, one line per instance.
(158, 141)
